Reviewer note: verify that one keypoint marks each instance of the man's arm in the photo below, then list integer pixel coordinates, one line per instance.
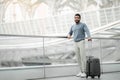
(70, 33)
(87, 32)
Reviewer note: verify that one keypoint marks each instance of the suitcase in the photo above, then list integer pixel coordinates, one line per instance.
(93, 67)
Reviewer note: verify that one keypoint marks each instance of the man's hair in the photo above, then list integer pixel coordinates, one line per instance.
(78, 15)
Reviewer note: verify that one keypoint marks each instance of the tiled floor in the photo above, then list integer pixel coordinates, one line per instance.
(105, 76)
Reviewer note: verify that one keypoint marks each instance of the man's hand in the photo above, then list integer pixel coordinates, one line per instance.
(69, 37)
(89, 39)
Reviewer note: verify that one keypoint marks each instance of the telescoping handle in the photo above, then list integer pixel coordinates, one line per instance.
(90, 49)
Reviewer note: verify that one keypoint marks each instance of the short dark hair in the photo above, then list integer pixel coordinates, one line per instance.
(78, 15)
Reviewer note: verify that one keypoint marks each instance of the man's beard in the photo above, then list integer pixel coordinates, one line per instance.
(77, 21)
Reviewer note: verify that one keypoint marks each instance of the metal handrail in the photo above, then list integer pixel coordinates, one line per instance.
(39, 36)
(33, 36)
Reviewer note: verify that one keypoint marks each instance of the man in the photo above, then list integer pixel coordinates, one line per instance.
(78, 30)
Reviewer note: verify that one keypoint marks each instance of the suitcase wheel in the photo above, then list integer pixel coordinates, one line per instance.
(92, 76)
(98, 76)
(86, 76)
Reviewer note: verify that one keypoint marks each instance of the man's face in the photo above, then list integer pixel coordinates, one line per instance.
(77, 19)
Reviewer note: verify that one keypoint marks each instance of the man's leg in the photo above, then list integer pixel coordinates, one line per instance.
(83, 55)
(78, 57)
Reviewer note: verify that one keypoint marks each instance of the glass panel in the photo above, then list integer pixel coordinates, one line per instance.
(20, 51)
(59, 51)
(110, 50)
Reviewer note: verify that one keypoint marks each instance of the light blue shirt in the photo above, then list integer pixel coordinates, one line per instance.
(78, 31)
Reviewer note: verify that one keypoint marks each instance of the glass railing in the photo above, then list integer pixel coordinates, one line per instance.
(54, 50)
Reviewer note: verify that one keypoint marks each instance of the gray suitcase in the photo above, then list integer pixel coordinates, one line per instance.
(93, 67)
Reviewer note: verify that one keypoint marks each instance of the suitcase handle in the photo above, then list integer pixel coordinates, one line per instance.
(90, 48)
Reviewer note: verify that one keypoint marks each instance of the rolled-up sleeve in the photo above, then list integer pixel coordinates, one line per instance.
(87, 30)
(70, 32)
